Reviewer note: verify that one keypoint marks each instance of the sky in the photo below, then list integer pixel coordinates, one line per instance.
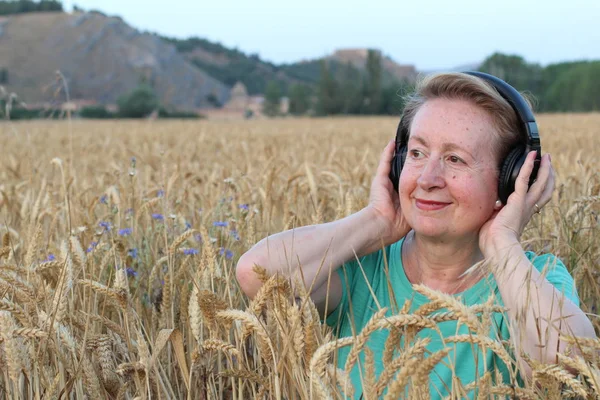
(430, 34)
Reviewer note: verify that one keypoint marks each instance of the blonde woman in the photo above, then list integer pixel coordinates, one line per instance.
(452, 203)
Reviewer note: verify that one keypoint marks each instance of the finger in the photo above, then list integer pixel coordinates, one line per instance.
(522, 183)
(538, 187)
(546, 195)
(383, 169)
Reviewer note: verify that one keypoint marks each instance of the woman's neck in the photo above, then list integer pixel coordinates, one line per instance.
(440, 265)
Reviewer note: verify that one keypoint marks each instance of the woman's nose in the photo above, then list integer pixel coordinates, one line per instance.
(431, 175)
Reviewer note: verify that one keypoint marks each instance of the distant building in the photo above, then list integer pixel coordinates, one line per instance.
(284, 105)
(241, 105)
(239, 99)
(76, 105)
(358, 57)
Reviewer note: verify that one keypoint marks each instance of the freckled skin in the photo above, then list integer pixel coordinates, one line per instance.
(432, 173)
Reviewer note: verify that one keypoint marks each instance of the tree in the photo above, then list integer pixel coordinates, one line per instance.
(26, 6)
(299, 99)
(49, 5)
(516, 71)
(139, 103)
(95, 112)
(575, 89)
(328, 102)
(351, 95)
(213, 100)
(272, 102)
(3, 76)
(373, 83)
(392, 97)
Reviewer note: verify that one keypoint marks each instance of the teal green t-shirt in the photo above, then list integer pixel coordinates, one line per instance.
(360, 301)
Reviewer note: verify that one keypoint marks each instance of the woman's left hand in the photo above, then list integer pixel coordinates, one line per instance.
(506, 225)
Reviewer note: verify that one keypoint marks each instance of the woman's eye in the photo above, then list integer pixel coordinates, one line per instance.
(415, 154)
(455, 159)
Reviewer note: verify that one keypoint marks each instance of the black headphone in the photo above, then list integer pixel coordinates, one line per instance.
(512, 164)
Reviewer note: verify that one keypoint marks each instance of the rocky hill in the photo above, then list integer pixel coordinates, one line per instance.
(101, 58)
(231, 65)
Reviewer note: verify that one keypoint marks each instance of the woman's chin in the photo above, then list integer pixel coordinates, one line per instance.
(430, 231)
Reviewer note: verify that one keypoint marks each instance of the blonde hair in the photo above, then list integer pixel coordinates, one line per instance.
(508, 131)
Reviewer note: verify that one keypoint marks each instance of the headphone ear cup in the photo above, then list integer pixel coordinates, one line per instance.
(403, 152)
(394, 172)
(509, 173)
(396, 167)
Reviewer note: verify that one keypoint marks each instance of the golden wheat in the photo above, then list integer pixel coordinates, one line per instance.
(119, 282)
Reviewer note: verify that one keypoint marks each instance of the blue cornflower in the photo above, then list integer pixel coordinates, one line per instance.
(235, 234)
(51, 257)
(220, 223)
(133, 252)
(125, 232)
(244, 207)
(91, 247)
(198, 237)
(190, 252)
(104, 199)
(131, 272)
(160, 193)
(228, 253)
(159, 217)
(188, 225)
(105, 225)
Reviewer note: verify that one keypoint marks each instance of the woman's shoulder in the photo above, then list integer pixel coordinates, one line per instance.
(372, 266)
(378, 257)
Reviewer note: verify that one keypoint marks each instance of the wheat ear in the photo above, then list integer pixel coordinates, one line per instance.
(371, 326)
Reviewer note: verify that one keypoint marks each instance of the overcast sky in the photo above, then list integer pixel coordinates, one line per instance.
(431, 34)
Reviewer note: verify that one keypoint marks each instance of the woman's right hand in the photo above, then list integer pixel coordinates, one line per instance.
(384, 200)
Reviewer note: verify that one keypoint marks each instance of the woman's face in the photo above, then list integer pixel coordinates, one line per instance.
(449, 182)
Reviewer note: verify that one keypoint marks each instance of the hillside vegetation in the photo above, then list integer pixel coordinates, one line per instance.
(28, 6)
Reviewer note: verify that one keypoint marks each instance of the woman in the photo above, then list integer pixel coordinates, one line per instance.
(446, 217)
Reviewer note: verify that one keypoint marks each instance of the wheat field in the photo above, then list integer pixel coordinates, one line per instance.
(119, 242)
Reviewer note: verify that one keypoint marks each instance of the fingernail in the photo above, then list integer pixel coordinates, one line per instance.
(549, 158)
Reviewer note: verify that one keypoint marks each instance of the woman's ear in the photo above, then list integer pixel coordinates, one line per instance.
(498, 205)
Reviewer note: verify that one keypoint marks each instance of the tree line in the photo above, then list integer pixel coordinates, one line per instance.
(141, 102)
(27, 6)
(560, 87)
(344, 89)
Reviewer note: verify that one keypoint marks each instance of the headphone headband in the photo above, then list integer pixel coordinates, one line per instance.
(518, 103)
(514, 98)
(512, 164)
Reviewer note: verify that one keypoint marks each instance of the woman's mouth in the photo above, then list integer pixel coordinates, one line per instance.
(429, 205)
